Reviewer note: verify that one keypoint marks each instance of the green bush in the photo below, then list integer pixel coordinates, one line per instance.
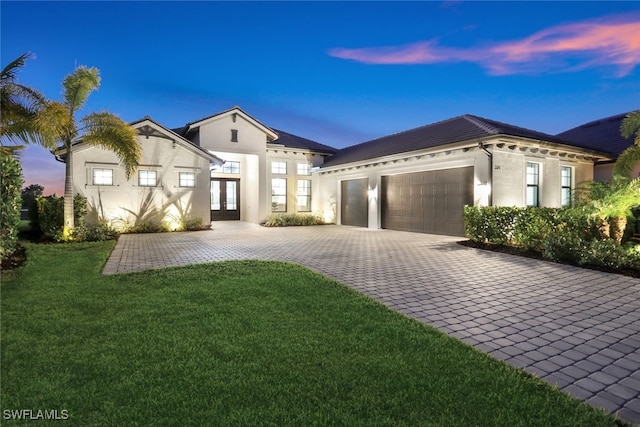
(94, 233)
(47, 219)
(520, 227)
(48, 216)
(563, 234)
(604, 253)
(10, 204)
(287, 220)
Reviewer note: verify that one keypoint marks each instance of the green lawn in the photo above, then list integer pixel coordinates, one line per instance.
(243, 343)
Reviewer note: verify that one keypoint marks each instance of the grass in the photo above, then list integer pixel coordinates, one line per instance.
(243, 343)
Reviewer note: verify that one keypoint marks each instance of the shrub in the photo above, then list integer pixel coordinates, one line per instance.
(10, 204)
(94, 233)
(48, 217)
(564, 234)
(604, 253)
(286, 220)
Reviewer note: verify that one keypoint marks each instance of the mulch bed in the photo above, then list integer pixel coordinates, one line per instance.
(538, 255)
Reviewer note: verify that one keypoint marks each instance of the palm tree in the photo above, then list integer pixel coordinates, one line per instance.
(611, 203)
(25, 116)
(631, 156)
(102, 129)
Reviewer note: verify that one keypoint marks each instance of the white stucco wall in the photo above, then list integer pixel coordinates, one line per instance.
(509, 176)
(125, 203)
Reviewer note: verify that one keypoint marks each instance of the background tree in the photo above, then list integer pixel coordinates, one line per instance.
(29, 194)
(630, 157)
(103, 129)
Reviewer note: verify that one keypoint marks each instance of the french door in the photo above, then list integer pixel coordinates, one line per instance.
(225, 199)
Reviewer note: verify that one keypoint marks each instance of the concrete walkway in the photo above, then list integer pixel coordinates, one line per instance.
(576, 328)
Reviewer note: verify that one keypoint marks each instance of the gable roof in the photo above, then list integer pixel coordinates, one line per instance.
(194, 126)
(458, 129)
(148, 127)
(294, 141)
(603, 134)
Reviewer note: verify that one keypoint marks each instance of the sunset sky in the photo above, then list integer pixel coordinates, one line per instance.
(338, 73)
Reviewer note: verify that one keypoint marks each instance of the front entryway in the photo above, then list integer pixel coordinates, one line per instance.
(225, 199)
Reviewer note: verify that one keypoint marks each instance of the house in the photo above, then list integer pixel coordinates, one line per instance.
(230, 166)
(264, 170)
(171, 184)
(420, 179)
(603, 135)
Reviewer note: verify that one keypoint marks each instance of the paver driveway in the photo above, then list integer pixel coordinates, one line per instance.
(576, 328)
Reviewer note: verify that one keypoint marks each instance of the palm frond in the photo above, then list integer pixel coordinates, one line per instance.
(10, 150)
(109, 131)
(627, 160)
(631, 125)
(10, 72)
(78, 86)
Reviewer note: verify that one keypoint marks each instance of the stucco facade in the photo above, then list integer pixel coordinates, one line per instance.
(170, 185)
(230, 166)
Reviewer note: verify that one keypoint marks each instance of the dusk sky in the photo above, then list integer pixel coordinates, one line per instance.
(338, 73)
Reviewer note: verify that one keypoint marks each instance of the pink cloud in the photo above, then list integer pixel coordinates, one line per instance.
(565, 48)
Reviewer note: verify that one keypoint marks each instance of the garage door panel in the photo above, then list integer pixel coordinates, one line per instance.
(354, 207)
(429, 202)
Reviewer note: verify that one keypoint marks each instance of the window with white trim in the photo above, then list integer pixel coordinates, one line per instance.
(533, 184)
(147, 178)
(304, 195)
(304, 169)
(278, 195)
(187, 179)
(231, 167)
(279, 168)
(566, 178)
(102, 176)
(234, 135)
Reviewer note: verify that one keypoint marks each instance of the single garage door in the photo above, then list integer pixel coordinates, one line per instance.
(354, 207)
(427, 202)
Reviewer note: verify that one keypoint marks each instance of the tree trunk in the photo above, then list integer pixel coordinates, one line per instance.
(68, 195)
(604, 228)
(619, 225)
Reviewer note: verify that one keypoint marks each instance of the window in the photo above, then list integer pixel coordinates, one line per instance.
(533, 184)
(234, 135)
(187, 179)
(147, 178)
(278, 195)
(279, 168)
(304, 169)
(304, 195)
(566, 185)
(231, 167)
(103, 177)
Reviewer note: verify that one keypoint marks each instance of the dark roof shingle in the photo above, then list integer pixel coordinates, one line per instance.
(457, 129)
(294, 141)
(603, 134)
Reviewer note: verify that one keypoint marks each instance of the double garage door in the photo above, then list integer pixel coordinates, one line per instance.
(425, 202)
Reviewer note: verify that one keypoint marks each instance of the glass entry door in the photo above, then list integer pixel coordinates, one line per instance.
(225, 199)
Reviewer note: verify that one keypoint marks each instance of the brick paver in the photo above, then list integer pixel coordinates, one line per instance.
(576, 328)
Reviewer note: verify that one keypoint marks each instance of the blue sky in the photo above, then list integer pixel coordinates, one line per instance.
(339, 73)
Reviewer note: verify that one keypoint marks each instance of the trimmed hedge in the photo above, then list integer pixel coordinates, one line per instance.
(10, 203)
(563, 234)
(287, 220)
